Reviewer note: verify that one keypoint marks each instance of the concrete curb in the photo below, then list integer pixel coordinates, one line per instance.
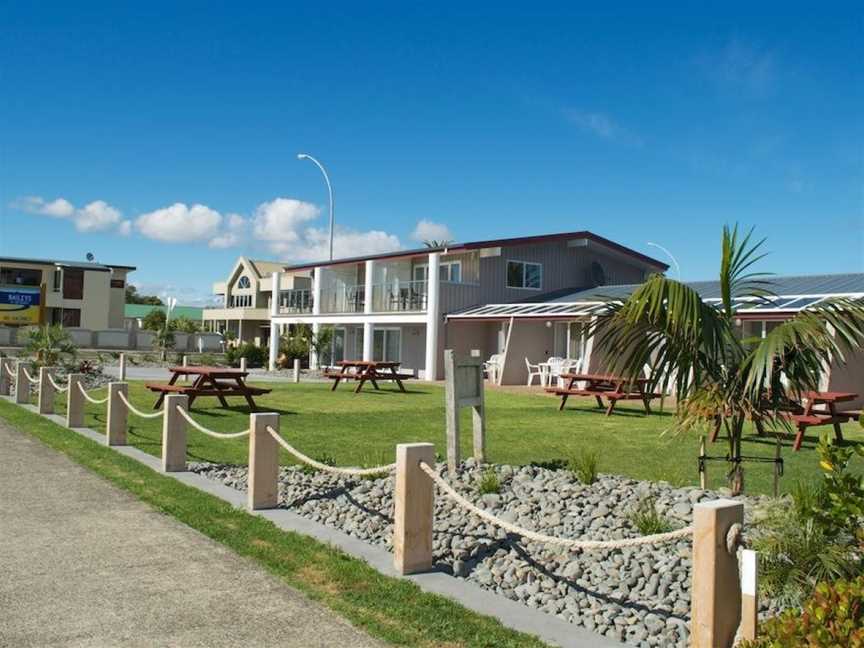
(516, 616)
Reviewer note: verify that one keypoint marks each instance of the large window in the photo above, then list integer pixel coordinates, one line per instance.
(243, 282)
(73, 284)
(387, 345)
(71, 317)
(58, 280)
(447, 271)
(21, 276)
(521, 274)
(241, 301)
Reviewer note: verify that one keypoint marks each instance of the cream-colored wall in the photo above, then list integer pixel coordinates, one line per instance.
(97, 300)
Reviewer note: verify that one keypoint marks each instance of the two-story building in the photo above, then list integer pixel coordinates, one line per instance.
(74, 294)
(394, 306)
(245, 297)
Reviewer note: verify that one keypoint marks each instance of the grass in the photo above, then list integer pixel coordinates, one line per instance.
(647, 519)
(489, 484)
(585, 465)
(394, 610)
(521, 428)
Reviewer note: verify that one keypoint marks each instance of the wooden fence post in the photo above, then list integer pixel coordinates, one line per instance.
(117, 416)
(22, 385)
(463, 387)
(263, 482)
(749, 594)
(296, 370)
(174, 433)
(703, 465)
(716, 591)
(414, 508)
(46, 391)
(5, 380)
(122, 367)
(75, 402)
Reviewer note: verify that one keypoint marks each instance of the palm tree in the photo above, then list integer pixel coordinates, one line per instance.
(49, 344)
(719, 377)
(434, 243)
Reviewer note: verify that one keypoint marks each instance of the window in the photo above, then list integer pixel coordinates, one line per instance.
(447, 271)
(21, 277)
(58, 280)
(387, 345)
(521, 274)
(73, 284)
(243, 282)
(241, 301)
(71, 317)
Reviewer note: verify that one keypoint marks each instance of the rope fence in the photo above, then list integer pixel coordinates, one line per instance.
(208, 431)
(135, 410)
(55, 385)
(351, 472)
(9, 371)
(33, 380)
(569, 543)
(95, 401)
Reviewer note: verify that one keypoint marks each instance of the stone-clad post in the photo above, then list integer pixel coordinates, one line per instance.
(5, 380)
(263, 480)
(174, 433)
(22, 385)
(46, 391)
(118, 414)
(414, 508)
(75, 402)
(716, 592)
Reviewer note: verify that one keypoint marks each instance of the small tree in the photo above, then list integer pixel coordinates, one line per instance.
(183, 324)
(154, 320)
(164, 341)
(49, 344)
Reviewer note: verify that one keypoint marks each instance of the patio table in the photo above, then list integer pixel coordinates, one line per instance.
(220, 382)
(367, 371)
(613, 388)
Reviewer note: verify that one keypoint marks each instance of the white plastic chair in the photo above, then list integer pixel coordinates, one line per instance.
(556, 366)
(534, 371)
(492, 367)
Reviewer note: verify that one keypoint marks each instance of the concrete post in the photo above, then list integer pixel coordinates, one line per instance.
(414, 508)
(296, 370)
(22, 385)
(749, 594)
(118, 414)
(317, 281)
(368, 309)
(716, 592)
(433, 316)
(174, 433)
(275, 296)
(451, 413)
(75, 402)
(122, 367)
(185, 364)
(263, 480)
(46, 391)
(5, 379)
(242, 364)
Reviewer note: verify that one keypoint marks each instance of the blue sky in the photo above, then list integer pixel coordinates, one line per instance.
(166, 137)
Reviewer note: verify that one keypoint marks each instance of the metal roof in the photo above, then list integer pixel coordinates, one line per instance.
(792, 294)
(84, 265)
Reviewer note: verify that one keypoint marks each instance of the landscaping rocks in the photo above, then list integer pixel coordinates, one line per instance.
(637, 595)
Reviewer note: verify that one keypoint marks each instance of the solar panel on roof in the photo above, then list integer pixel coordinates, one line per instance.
(802, 302)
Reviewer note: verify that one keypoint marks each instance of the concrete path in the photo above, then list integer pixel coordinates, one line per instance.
(83, 563)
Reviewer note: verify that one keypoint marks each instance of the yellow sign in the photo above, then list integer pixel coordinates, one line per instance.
(20, 304)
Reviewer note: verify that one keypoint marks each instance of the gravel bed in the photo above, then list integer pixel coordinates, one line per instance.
(638, 595)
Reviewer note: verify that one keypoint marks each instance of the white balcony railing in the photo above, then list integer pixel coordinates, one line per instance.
(400, 297)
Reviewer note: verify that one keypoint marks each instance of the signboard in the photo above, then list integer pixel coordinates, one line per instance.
(20, 305)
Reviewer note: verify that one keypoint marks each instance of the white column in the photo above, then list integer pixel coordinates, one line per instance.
(317, 281)
(368, 327)
(274, 327)
(433, 316)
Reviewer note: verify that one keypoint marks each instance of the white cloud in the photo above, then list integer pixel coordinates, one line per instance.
(59, 208)
(281, 219)
(124, 228)
(180, 223)
(232, 235)
(97, 216)
(741, 65)
(313, 244)
(427, 230)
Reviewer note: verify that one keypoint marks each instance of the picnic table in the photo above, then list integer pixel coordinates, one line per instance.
(804, 416)
(364, 371)
(221, 382)
(613, 388)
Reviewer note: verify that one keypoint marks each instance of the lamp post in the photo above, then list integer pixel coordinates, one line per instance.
(304, 156)
(669, 254)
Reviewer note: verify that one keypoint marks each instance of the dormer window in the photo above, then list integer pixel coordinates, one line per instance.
(244, 282)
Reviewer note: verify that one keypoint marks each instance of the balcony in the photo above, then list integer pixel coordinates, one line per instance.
(295, 301)
(400, 297)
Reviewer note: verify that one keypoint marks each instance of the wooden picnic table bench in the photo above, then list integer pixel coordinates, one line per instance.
(364, 371)
(600, 386)
(804, 416)
(221, 382)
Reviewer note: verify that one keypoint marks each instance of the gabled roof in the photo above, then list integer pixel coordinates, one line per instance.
(265, 268)
(504, 242)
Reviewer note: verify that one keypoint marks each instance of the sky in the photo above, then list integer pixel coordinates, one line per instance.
(165, 135)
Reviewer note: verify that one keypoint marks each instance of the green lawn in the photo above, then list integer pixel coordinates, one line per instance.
(521, 428)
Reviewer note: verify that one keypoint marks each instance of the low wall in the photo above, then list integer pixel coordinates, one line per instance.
(81, 337)
(8, 336)
(112, 339)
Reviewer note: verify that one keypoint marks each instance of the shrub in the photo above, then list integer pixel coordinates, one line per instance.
(49, 344)
(488, 483)
(154, 320)
(832, 617)
(183, 324)
(255, 356)
(647, 519)
(326, 459)
(584, 464)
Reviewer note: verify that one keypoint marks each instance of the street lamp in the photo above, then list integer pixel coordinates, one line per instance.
(669, 254)
(303, 156)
